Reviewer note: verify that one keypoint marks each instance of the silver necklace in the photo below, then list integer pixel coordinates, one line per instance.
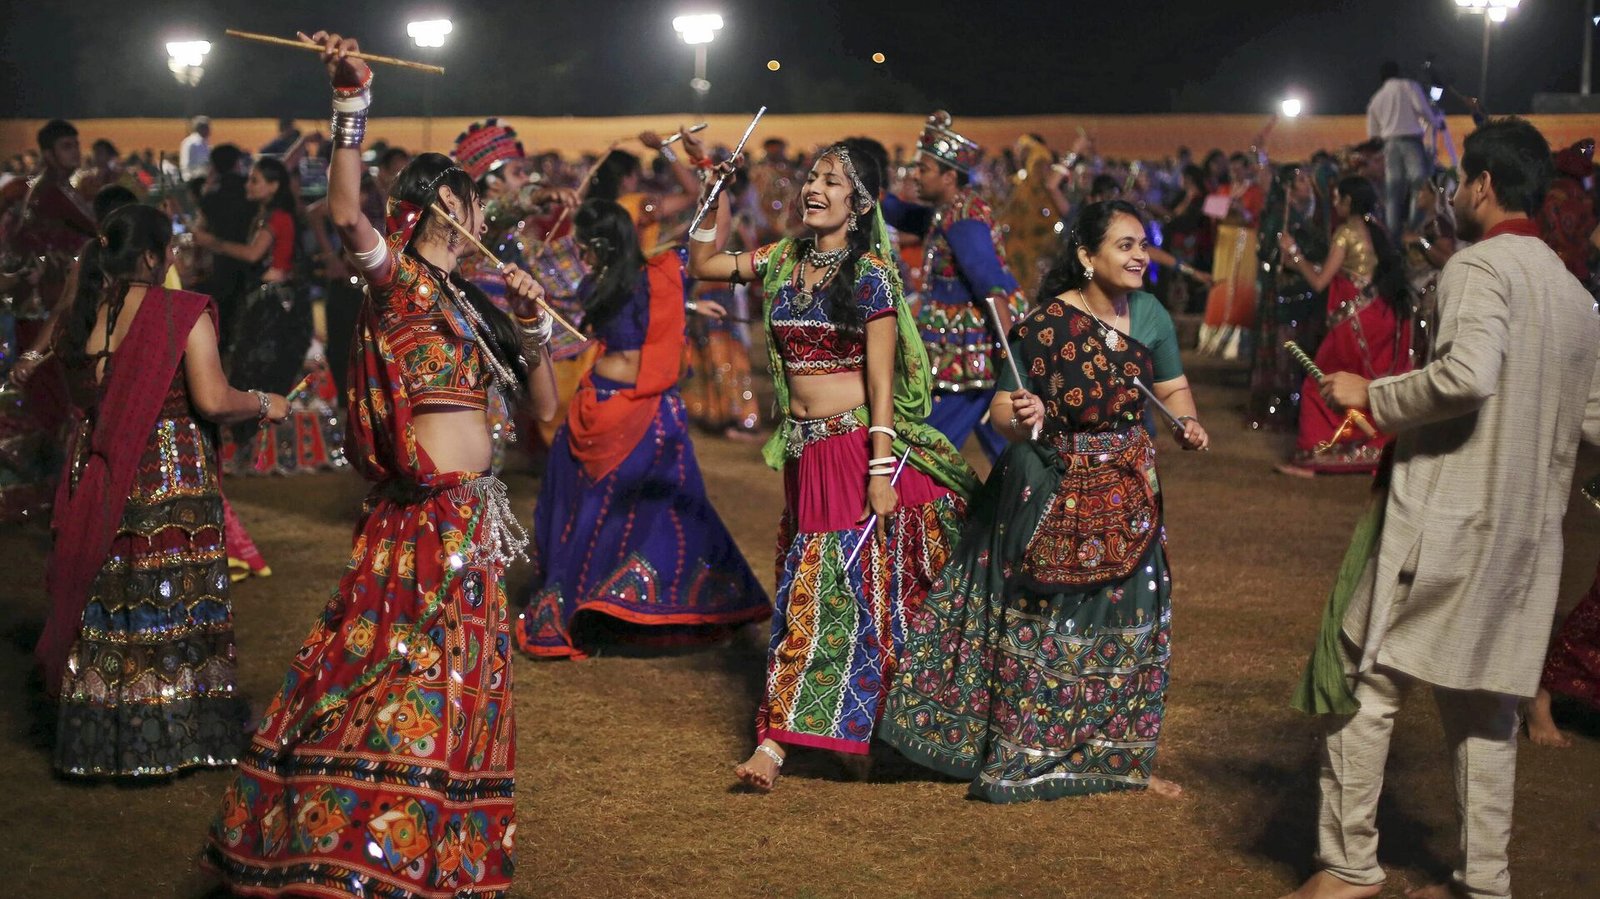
(1112, 338)
(806, 297)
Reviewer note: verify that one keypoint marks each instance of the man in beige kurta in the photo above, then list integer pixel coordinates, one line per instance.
(1462, 591)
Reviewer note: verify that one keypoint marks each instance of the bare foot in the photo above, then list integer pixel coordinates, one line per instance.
(1323, 885)
(1542, 728)
(1295, 471)
(760, 771)
(1435, 891)
(856, 767)
(1164, 788)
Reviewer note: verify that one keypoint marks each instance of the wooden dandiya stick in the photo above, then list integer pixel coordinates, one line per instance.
(676, 136)
(310, 45)
(1352, 416)
(583, 190)
(501, 266)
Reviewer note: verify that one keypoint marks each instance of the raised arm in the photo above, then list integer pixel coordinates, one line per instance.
(352, 95)
(707, 262)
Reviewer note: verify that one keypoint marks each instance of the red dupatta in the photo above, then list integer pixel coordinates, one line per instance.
(87, 514)
(603, 432)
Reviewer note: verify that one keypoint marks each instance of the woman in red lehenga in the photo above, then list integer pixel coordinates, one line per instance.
(384, 766)
(1572, 668)
(1367, 333)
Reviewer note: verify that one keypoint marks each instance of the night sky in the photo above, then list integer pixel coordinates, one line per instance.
(603, 57)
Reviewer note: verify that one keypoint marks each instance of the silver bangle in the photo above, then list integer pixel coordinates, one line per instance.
(33, 356)
(349, 129)
(265, 402)
(536, 336)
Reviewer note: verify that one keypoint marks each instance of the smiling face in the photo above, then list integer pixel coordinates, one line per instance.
(826, 196)
(1122, 257)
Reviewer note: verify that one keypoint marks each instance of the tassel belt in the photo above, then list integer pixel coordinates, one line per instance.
(500, 539)
(799, 433)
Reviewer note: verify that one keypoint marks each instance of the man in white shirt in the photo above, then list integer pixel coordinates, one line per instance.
(194, 154)
(1400, 115)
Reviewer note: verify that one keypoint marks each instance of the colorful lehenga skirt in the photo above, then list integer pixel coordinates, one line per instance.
(837, 631)
(149, 687)
(383, 768)
(637, 556)
(719, 387)
(1031, 694)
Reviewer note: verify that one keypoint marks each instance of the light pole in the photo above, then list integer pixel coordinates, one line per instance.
(428, 33)
(698, 31)
(1493, 12)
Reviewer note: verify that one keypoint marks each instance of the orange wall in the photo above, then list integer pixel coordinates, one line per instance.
(1146, 136)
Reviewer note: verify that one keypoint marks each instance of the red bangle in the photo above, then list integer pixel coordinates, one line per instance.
(703, 162)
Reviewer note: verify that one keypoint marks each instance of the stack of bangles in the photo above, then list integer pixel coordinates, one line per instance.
(350, 103)
(535, 333)
(263, 398)
(881, 466)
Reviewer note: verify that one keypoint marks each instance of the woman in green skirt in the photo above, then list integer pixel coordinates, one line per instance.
(1038, 665)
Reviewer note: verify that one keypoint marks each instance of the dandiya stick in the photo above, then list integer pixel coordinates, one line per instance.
(300, 388)
(1354, 416)
(722, 181)
(866, 531)
(312, 45)
(1005, 346)
(501, 266)
(1160, 406)
(583, 190)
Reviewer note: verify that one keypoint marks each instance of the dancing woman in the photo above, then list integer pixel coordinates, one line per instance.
(1289, 309)
(384, 765)
(1037, 668)
(626, 544)
(852, 381)
(139, 646)
(1366, 332)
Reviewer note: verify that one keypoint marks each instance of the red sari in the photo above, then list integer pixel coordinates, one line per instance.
(384, 766)
(1573, 666)
(1364, 337)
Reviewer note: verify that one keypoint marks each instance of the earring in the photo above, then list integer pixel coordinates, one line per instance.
(850, 223)
(1088, 272)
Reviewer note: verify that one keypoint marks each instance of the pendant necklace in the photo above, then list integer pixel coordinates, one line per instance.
(805, 297)
(1112, 338)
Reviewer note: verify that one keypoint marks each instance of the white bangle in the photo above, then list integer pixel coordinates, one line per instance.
(371, 260)
(704, 235)
(354, 103)
(882, 429)
(883, 460)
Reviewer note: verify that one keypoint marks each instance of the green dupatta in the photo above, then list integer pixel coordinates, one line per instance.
(931, 452)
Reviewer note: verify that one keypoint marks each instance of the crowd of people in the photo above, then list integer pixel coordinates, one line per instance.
(414, 317)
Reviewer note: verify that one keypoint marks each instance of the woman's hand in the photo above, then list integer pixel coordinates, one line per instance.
(693, 147)
(1191, 436)
(882, 500)
(1027, 410)
(205, 240)
(711, 309)
(345, 73)
(277, 407)
(561, 196)
(524, 292)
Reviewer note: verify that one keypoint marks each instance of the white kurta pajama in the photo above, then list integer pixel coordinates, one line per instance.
(1462, 590)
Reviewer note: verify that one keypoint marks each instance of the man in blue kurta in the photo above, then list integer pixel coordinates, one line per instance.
(963, 263)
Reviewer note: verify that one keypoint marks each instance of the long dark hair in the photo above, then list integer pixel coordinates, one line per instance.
(1389, 277)
(606, 183)
(282, 196)
(607, 230)
(418, 184)
(841, 306)
(1088, 233)
(105, 269)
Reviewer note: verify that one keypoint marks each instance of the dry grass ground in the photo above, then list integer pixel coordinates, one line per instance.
(625, 785)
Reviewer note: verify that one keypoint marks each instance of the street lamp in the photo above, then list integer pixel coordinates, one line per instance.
(1291, 107)
(186, 60)
(428, 33)
(1493, 12)
(697, 31)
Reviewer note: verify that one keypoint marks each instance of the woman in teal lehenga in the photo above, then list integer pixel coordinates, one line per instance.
(1038, 665)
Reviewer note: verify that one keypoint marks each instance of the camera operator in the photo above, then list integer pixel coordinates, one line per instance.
(1399, 114)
